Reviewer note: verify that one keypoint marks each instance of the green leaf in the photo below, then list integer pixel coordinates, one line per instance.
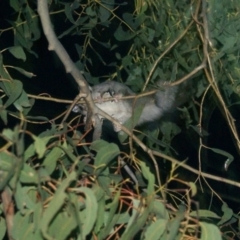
(156, 229)
(181, 60)
(131, 20)
(137, 220)
(174, 224)
(55, 205)
(3, 228)
(62, 225)
(40, 145)
(15, 4)
(100, 213)
(9, 134)
(90, 211)
(229, 156)
(90, 12)
(29, 152)
(51, 159)
(121, 35)
(160, 210)
(204, 214)
(151, 34)
(13, 89)
(174, 72)
(227, 214)
(24, 72)
(105, 10)
(3, 73)
(98, 145)
(20, 38)
(37, 215)
(17, 52)
(112, 217)
(68, 12)
(169, 130)
(23, 227)
(7, 168)
(22, 199)
(33, 24)
(104, 182)
(193, 188)
(23, 102)
(69, 151)
(222, 152)
(3, 112)
(136, 203)
(28, 174)
(123, 218)
(43, 175)
(210, 232)
(40, 118)
(149, 177)
(106, 152)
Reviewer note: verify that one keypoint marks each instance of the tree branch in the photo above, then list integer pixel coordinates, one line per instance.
(55, 45)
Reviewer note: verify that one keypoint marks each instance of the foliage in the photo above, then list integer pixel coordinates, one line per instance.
(55, 184)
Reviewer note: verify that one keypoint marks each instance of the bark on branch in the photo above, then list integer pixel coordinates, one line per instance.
(55, 45)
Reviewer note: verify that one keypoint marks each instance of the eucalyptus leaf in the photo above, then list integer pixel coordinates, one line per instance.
(7, 168)
(51, 159)
(14, 90)
(55, 205)
(24, 72)
(227, 214)
(23, 226)
(40, 145)
(156, 229)
(90, 211)
(15, 5)
(210, 231)
(3, 228)
(106, 152)
(28, 175)
(122, 35)
(17, 52)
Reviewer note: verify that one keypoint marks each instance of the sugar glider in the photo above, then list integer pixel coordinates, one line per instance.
(152, 107)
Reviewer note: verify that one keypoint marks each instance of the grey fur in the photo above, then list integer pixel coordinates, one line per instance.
(152, 107)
